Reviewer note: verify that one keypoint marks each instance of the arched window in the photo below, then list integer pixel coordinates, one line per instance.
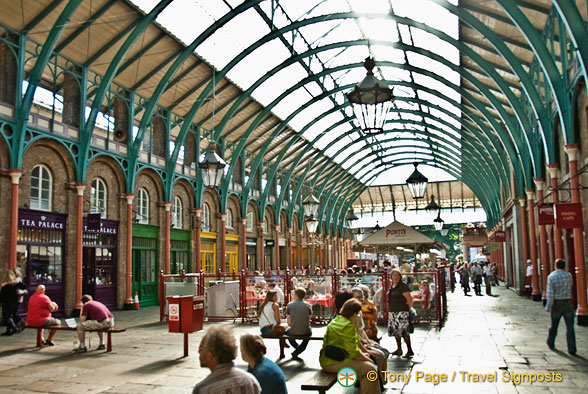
(229, 222)
(265, 226)
(205, 217)
(41, 188)
(177, 213)
(98, 197)
(143, 207)
(249, 221)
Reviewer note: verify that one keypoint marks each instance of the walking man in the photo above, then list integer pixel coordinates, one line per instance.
(298, 313)
(559, 303)
(488, 279)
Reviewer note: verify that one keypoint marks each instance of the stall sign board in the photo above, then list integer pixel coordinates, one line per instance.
(569, 215)
(545, 214)
(500, 236)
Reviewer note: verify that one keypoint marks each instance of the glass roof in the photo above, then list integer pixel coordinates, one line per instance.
(424, 120)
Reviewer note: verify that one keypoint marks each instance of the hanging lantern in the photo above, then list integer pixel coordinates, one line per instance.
(212, 167)
(311, 205)
(371, 100)
(311, 224)
(433, 208)
(438, 223)
(351, 217)
(417, 183)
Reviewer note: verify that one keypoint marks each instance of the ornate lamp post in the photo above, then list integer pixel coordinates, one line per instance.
(311, 205)
(371, 100)
(417, 183)
(433, 208)
(212, 167)
(351, 217)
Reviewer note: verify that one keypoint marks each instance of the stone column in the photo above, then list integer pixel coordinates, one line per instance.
(290, 249)
(277, 245)
(582, 312)
(553, 170)
(244, 243)
(261, 246)
(544, 251)
(80, 187)
(197, 224)
(533, 242)
(167, 243)
(466, 253)
(223, 240)
(15, 177)
(524, 231)
(129, 262)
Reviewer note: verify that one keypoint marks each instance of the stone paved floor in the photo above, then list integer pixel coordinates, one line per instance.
(482, 335)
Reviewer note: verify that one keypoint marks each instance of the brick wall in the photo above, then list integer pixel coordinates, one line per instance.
(8, 71)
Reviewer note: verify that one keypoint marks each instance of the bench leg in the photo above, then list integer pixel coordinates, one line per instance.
(282, 347)
(39, 337)
(108, 342)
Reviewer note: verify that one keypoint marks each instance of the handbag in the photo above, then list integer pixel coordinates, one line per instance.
(334, 352)
(279, 330)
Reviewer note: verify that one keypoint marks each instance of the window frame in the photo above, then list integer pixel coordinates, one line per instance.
(43, 170)
(94, 207)
(142, 198)
(177, 217)
(205, 222)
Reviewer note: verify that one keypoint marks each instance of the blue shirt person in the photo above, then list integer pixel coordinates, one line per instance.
(268, 374)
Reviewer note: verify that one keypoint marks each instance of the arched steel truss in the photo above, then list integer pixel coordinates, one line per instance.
(498, 134)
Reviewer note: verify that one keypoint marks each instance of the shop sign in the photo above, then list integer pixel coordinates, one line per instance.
(569, 215)
(93, 222)
(545, 214)
(500, 236)
(269, 243)
(105, 226)
(43, 220)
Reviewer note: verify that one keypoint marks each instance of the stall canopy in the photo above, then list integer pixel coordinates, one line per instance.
(397, 234)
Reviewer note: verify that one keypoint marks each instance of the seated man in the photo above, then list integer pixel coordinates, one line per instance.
(299, 315)
(94, 316)
(217, 351)
(39, 313)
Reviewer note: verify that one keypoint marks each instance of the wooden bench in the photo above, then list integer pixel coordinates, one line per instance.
(283, 338)
(108, 331)
(321, 382)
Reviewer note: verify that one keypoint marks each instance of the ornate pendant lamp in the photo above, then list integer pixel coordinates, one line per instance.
(371, 100)
(212, 167)
(417, 183)
(438, 223)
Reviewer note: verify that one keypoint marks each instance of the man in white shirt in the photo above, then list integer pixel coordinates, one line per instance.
(276, 288)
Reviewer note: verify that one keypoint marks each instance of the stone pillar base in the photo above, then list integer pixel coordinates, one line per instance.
(128, 307)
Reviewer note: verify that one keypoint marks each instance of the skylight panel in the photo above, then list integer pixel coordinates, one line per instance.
(279, 82)
(291, 103)
(385, 52)
(428, 12)
(381, 29)
(319, 128)
(372, 6)
(252, 67)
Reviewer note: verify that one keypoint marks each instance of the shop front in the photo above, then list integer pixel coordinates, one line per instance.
(232, 253)
(146, 263)
(208, 252)
(41, 253)
(100, 257)
(179, 251)
(251, 245)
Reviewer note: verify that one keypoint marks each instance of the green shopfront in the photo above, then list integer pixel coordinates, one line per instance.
(146, 263)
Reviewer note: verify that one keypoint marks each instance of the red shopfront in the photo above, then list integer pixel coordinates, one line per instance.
(41, 253)
(100, 256)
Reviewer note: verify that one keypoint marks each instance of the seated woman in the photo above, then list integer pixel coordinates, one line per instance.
(342, 342)
(268, 374)
(269, 313)
(424, 297)
(368, 310)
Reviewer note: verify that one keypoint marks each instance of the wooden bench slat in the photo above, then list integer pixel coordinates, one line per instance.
(108, 332)
(321, 381)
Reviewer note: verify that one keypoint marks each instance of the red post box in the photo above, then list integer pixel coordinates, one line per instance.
(185, 313)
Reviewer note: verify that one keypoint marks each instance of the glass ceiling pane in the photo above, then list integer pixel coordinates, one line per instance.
(179, 18)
